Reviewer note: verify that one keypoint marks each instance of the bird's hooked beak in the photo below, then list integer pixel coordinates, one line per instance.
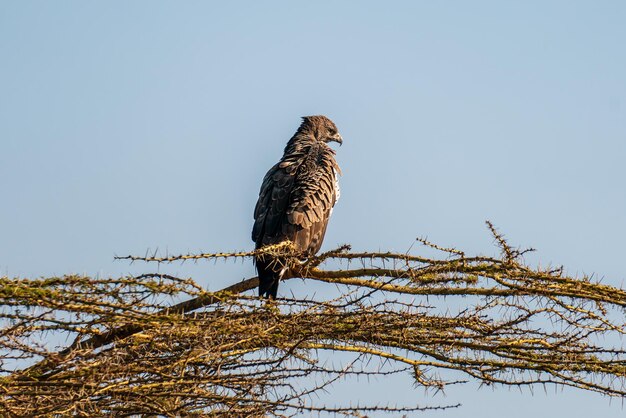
(337, 138)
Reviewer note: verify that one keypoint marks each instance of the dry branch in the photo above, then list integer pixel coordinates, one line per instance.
(227, 354)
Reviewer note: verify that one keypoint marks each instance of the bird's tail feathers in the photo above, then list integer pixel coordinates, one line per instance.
(270, 272)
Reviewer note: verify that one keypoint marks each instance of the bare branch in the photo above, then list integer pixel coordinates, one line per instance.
(227, 354)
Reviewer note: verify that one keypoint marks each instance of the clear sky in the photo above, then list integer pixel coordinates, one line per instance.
(127, 126)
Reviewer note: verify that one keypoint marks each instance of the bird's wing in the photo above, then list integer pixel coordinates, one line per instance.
(295, 203)
(273, 202)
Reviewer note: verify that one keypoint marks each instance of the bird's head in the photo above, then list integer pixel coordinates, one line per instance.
(322, 128)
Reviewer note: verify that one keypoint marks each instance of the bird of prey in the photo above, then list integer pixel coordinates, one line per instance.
(297, 197)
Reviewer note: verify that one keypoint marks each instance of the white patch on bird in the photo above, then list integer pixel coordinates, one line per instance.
(337, 191)
(282, 273)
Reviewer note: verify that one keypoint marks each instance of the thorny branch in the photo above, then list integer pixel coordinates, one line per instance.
(228, 354)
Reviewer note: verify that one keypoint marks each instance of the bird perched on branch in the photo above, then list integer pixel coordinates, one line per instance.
(296, 198)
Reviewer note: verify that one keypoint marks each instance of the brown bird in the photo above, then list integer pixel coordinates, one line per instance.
(297, 197)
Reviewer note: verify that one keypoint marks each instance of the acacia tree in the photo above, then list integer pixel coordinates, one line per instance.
(230, 354)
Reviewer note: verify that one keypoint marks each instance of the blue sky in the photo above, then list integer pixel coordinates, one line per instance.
(127, 126)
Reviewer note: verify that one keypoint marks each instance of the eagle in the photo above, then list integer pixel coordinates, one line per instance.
(297, 198)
